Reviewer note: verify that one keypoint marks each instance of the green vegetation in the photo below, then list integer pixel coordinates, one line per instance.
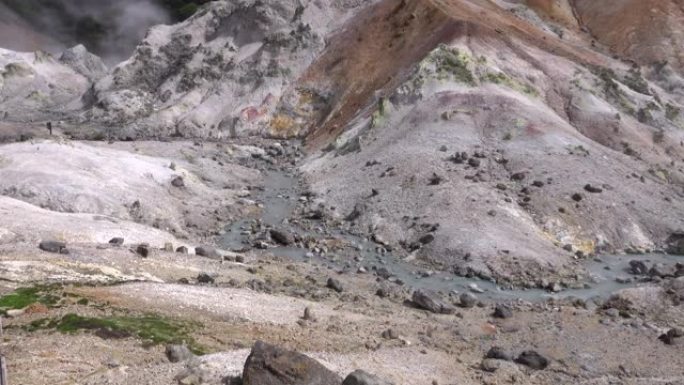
(151, 329)
(636, 82)
(672, 112)
(26, 296)
(449, 62)
(503, 79)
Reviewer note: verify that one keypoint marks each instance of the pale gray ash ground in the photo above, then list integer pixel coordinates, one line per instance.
(348, 192)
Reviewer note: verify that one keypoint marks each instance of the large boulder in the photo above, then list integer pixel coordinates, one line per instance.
(271, 365)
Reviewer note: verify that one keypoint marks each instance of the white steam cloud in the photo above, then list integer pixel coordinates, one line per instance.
(110, 28)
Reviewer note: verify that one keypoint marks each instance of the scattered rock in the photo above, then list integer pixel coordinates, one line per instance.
(498, 353)
(430, 301)
(532, 359)
(663, 271)
(390, 334)
(577, 197)
(518, 176)
(593, 189)
(178, 353)
(358, 210)
(427, 238)
(143, 250)
(474, 162)
(638, 267)
(207, 252)
(475, 289)
(308, 314)
(383, 272)
(360, 377)
(54, 247)
(502, 311)
(118, 241)
(672, 336)
(182, 250)
(467, 300)
(205, 278)
(435, 180)
(178, 182)
(383, 292)
(271, 365)
(282, 237)
(335, 284)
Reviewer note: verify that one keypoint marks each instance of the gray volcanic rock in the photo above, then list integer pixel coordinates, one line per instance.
(271, 365)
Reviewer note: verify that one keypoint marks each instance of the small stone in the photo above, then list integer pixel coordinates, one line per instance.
(207, 252)
(435, 180)
(671, 337)
(240, 258)
(182, 250)
(118, 241)
(518, 176)
(282, 237)
(467, 300)
(360, 377)
(474, 162)
(205, 278)
(54, 247)
(390, 334)
(143, 250)
(593, 189)
(532, 359)
(475, 289)
(498, 353)
(503, 312)
(178, 182)
(637, 267)
(308, 314)
(383, 273)
(178, 353)
(429, 300)
(577, 197)
(538, 183)
(427, 238)
(168, 246)
(335, 284)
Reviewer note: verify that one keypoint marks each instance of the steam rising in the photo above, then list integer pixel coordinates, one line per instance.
(110, 29)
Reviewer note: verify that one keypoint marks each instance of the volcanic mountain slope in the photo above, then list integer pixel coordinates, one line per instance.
(524, 144)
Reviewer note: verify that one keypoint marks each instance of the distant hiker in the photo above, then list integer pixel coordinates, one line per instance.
(49, 127)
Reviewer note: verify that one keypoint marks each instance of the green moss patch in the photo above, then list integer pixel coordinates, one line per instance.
(26, 296)
(152, 329)
(503, 79)
(450, 63)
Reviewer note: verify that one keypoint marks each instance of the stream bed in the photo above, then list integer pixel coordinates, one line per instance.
(282, 191)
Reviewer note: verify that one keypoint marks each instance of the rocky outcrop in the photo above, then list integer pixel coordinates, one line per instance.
(271, 365)
(221, 73)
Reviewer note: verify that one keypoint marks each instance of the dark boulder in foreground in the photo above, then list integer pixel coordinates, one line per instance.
(54, 247)
(271, 365)
(360, 377)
